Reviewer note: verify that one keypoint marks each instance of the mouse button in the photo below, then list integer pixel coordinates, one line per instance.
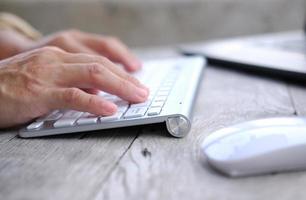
(238, 139)
(217, 135)
(260, 144)
(224, 148)
(218, 151)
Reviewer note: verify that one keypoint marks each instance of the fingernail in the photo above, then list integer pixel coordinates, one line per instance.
(142, 93)
(135, 64)
(144, 87)
(110, 108)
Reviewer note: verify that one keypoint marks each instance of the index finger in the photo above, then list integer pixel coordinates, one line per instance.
(113, 49)
(76, 99)
(97, 76)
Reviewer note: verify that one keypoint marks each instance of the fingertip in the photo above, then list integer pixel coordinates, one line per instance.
(145, 88)
(133, 65)
(142, 95)
(109, 108)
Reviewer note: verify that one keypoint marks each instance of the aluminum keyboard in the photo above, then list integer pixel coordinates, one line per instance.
(159, 76)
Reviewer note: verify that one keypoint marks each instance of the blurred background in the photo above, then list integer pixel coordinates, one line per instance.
(144, 23)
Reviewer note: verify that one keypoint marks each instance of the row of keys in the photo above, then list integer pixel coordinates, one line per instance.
(71, 117)
(87, 118)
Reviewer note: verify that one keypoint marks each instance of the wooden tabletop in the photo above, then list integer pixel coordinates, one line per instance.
(145, 162)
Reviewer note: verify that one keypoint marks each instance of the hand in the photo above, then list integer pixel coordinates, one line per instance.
(39, 81)
(73, 41)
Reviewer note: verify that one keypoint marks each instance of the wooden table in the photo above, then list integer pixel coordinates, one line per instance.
(144, 162)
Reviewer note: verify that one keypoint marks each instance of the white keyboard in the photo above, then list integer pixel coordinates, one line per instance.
(173, 86)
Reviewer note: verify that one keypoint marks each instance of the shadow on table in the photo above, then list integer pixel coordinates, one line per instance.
(123, 132)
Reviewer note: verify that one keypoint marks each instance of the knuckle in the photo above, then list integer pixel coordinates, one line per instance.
(95, 70)
(49, 49)
(92, 101)
(71, 95)
(132, 79)
(110, 41)
(47, 52)
(122, 86)
(60, 38)
(92, 58)
(64, 36)
(73, 32)
(43, 57)
(105, 61)
(113, 40)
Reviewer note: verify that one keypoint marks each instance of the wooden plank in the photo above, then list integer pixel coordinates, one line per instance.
(298, 93)
(62, 167)
(6, 136)
(161, 167)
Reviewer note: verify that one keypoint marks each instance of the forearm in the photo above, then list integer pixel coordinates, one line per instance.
(12, 43)
(15, 35)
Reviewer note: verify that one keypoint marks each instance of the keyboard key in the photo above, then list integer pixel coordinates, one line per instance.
(35, 125)
(157, 104)
(69, 118)
(168, 83)
(72, 114)
(162, 93)
(144, 104)
(160, 98)
(88, 118)
(55, 115)
(85, 121)
(135, 112)
(64, 123)
(152, 95)
(122, 105)
(154, 111)
(106, 95)
(165, 89)
(112, 98)
(112, 117)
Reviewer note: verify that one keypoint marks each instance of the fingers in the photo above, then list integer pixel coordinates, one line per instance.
(95, 75)
(118, 52)
(74, 41)
(76, 99)
(113, 49)
(72, 45)
(91, 90)
(102, 76)
(86, 58)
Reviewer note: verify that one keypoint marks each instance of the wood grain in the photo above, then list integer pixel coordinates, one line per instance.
(159, 167)
(298, 93)
(62, 167)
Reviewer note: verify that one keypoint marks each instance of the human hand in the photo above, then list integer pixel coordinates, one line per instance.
(73, 41)
(39, 81)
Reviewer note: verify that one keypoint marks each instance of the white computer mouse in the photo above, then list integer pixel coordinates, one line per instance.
(258, 147)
